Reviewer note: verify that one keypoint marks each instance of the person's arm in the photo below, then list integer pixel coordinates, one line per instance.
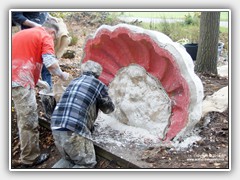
(29, 23)
(52, 65)
(19, 18)
(105, 103)
(56, 70)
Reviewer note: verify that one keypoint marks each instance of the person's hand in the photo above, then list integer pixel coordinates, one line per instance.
(64, 76)
(44, 85)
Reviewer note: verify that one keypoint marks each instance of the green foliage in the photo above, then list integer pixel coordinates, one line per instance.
(188, 30)
(223, 37)
(60, 14)
(169, 15)
(74, 39)
(175, 31)
(166, 27)
(156, 14)
(111, 18)
(181, 32)
(191, 33)
(192, 19)
(224, 16)
(223, 30)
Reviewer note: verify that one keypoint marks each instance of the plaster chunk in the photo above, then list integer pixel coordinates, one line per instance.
(140, 100)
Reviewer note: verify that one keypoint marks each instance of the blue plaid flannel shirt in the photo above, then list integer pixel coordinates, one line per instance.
(78, 107)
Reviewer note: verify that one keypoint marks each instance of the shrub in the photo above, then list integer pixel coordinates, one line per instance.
(74, 39)
(192, 19)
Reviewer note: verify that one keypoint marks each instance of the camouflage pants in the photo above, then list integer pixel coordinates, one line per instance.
(27, 121)
(76, 151)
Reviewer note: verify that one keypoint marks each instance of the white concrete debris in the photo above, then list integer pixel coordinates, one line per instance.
(140, 100)
(223, 71)
(218, 102)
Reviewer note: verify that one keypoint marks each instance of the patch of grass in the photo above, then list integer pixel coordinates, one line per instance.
(223, 29)
(175, 31)
(224, 16)
(179, 30)
(168, 15)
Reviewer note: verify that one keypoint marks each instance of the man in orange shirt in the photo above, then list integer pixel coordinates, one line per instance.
(32, 19)
(31, 48)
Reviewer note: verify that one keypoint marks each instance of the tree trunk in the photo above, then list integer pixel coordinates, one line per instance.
(207, 55)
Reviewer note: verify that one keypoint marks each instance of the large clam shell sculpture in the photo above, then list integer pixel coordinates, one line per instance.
(123, 45)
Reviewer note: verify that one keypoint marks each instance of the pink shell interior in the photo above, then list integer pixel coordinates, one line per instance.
(122, 47)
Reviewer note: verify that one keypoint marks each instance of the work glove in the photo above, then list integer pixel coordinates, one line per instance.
(44, 85)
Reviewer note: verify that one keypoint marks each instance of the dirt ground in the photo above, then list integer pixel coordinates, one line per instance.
(211, 152)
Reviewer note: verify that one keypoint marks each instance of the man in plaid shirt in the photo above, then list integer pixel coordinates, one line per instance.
(74, 116)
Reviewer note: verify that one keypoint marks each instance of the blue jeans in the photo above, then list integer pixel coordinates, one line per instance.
(46, 76)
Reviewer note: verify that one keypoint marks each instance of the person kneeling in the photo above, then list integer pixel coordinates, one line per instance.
(74, 115)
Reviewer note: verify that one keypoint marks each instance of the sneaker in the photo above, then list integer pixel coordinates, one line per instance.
(39, 160)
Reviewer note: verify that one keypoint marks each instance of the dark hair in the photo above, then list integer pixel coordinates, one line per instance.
(51, 24)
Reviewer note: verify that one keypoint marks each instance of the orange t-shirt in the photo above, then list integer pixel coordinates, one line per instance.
(28, 46)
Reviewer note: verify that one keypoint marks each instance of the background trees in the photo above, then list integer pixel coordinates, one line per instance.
(207, 54)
